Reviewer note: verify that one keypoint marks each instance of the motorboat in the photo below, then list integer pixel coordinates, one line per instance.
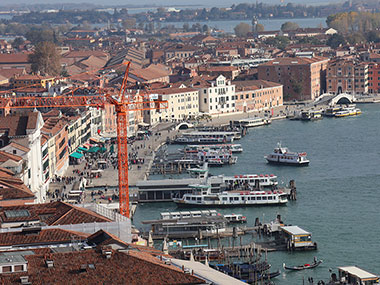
(281, 155)
(348, 111)
(235, 218)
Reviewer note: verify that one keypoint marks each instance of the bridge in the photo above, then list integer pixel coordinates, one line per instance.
(184, 126)
(331, 99)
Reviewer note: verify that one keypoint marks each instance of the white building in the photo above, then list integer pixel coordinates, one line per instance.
(217, 97)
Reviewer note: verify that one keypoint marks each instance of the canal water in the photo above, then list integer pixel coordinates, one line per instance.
(338, 193)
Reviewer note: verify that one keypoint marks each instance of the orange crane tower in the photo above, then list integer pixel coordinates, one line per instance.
(123, 105)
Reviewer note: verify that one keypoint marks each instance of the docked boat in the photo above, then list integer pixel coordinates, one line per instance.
(251, 180)
(253, 122)
(304, 266)
(311, 115)
(281, 155)
(234, 148)
(235, 218)
(348, 111)
(212, 157)
(330, 112)
(202, 196)
(206, 138)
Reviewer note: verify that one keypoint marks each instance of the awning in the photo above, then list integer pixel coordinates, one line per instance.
(76, 155)
(103, 149)
(94, 149)
(82, 149)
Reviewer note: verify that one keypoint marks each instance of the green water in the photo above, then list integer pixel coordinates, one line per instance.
(338, 194)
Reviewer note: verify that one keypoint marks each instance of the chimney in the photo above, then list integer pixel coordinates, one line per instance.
(49, 263)
(24, 280)
(107, 252)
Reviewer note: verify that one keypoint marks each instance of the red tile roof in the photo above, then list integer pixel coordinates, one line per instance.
(48, 236)
(92, 267)
(55, 213)
(18, 124)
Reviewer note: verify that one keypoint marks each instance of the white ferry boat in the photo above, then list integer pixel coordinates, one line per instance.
(281, 155)
(202, 196)
(206, 138)
(234, 148)
(212, 157)
(235, 218)
(349, 111)
(267, 180)
(253, 122)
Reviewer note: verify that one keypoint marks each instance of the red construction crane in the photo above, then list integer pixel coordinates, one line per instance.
(123, 105)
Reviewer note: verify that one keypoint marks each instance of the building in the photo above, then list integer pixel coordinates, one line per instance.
(34, 81)
(302, 78)
(179, 52)
(348, 76)
(255, 95)
(21, 137)
(216, 96)
(183, 103)
(374, 78)
(14, 60)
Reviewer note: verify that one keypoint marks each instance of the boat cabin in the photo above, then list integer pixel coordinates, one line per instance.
(356, 275)
(297, 238)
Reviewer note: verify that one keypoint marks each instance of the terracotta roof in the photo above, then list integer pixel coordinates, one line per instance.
(11, 72)
(55, 213)
(171, 90)
(18, 124)
(92, 267)
(5, 156)
(47, 236)
(13, 58)
(254, 84)
(85, 53)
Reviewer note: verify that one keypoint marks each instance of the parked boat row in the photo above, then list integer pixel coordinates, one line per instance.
(349, 111)
(334, 111)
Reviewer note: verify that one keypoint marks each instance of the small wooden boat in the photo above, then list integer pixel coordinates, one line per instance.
(305, 266)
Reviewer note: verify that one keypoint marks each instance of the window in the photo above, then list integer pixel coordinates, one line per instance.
(19, 268)
(205, 100)
(7, 269)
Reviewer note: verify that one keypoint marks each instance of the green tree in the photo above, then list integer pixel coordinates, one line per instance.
(289, 26)
(17, 42)
(242, 29)
(37, 36)
(335, 41)
(45, 59)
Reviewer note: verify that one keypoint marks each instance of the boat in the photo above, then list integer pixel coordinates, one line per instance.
(203, 196)
(253, 122)
(212, 157)
(253, 180)
(206, 138)
(234, 148)
(281, 155)
(330, 112)
(348, 111)
(311, 115)
(304, 266)
(235, 218)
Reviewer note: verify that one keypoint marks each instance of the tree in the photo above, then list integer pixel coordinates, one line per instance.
(129, 23)
(242, 29)
(289, 26)
(186, 27)
(38, 36)
(259, 28)
(45, 59)
(17, 42)
(335, 41)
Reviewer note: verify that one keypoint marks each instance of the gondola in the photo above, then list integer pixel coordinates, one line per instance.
(305, 266)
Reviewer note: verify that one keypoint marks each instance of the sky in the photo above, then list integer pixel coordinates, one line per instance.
(209, 3)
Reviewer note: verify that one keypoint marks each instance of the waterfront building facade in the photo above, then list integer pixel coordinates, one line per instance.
(347, 76)
(257, 95)
(303, 78)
